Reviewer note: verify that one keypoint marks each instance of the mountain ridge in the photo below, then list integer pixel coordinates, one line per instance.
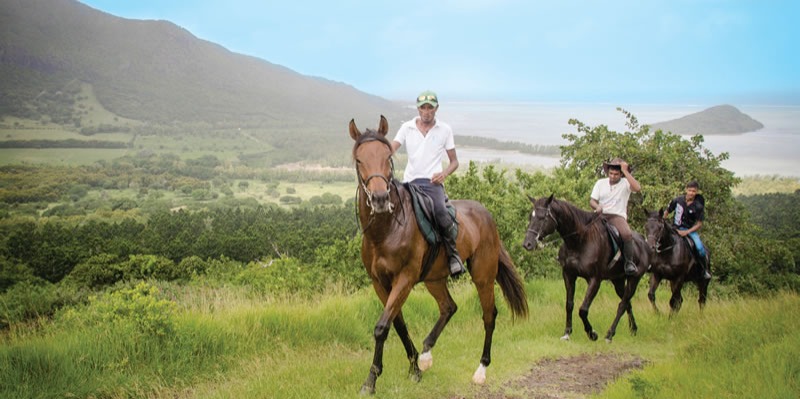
(154, 70)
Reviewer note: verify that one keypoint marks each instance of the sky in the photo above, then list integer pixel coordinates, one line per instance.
(649, 51)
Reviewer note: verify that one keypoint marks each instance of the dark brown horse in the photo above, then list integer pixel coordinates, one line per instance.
(393, 249)
(672, 260)
(586, 252)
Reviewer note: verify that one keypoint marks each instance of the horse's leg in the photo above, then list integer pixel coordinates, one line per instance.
(630, 285)
(676, 300)
(655, 281)
(447, 308)
(486, 296)
(583, 312)
(411, 351)
(702, 290)
(620, 287)
(393, 298)
(569, 284)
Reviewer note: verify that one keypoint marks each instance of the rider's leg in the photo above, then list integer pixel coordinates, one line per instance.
(701, 254)
(628, 249)
(447, 226)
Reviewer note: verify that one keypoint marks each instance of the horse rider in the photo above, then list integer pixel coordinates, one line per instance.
(610, 198)
(688, 220)
(427, 139)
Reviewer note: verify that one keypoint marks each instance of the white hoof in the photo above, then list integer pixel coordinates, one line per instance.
(565, 337)
(480, 375)
(425, 361)
(608, 341)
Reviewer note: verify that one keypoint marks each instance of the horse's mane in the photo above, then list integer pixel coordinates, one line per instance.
(367, 136)
(575, 213)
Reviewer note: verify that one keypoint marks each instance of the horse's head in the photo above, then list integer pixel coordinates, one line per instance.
(655, 228)
(373, 156)
(542, 222)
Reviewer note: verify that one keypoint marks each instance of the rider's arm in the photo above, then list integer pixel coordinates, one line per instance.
(626, 171)
(595, 205)
(395, 146)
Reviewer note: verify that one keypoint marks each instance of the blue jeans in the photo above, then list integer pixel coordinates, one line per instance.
(695, 236)
(436, 192)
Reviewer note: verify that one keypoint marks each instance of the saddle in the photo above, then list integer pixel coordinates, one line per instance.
(423, 210)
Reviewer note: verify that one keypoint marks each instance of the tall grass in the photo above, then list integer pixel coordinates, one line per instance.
(232, 343)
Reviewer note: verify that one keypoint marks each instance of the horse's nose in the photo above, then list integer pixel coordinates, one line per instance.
(380, 201)
(528, 244)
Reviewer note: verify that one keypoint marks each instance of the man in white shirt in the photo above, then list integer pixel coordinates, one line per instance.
(610, 197)
(427, 140)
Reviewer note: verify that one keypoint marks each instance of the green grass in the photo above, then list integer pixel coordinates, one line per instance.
(233, 343)
(55, 156)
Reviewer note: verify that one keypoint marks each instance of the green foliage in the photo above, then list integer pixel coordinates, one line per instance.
(341, 262)
(140, 306)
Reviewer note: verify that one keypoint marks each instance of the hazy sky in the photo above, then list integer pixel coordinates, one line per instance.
(659, 51)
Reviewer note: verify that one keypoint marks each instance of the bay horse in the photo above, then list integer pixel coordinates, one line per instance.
(587, 252)
(673, 259)
(393, 249)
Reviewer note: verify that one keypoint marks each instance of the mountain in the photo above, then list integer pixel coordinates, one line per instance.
(156, 71)
(721, 119)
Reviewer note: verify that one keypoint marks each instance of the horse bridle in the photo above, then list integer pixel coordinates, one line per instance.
(363, 185)
(660, 237)
(547, 213)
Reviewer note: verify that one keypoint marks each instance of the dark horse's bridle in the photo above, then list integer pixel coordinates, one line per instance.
(660, 236)
(547, 213)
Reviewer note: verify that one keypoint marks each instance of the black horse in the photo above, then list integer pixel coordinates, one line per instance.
(672, 260)
(587, 252)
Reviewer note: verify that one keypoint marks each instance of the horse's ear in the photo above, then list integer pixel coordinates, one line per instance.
(354, 132)
(646, 212)
(533, 200)
(661, 212)
(549, 200)
(383, 126)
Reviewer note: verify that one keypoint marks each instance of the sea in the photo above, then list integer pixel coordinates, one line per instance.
(770, 151)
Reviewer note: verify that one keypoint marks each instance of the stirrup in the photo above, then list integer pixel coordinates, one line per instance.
(456, 267)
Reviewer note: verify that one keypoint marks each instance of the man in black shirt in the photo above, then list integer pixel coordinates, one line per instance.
(689, 215)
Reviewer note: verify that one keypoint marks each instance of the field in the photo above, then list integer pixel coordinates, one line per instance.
(232, 343)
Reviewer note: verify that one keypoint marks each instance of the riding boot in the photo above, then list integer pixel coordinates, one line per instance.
(454, 259)
(627, 253)
(703, 264)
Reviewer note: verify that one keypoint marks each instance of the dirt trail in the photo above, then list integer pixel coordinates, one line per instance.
(567, 378)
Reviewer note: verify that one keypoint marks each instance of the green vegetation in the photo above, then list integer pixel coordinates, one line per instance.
(161, 275)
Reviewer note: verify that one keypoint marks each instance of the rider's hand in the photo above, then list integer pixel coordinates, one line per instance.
(599, 209)
(438, 178)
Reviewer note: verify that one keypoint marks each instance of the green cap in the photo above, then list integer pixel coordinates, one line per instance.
(427, 97)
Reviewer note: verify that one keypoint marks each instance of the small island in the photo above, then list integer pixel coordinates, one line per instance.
(718, 120)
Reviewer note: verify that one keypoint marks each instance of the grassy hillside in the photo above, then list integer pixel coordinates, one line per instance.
(206, 342)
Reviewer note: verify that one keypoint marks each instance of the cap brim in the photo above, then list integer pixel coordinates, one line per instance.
(431, 102)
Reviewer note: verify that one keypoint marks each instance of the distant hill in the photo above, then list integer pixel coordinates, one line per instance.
(722, 119)
(157, 71)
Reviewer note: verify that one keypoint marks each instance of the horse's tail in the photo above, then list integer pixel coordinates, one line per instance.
(511, 284)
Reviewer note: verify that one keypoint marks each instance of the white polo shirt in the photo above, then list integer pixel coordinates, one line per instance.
(425, 152)
(613, 199)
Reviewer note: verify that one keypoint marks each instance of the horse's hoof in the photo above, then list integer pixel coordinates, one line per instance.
(565, 337)
(425, 361)
(367, 390)
(593, 336)
(608, 340)
(480, 375)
